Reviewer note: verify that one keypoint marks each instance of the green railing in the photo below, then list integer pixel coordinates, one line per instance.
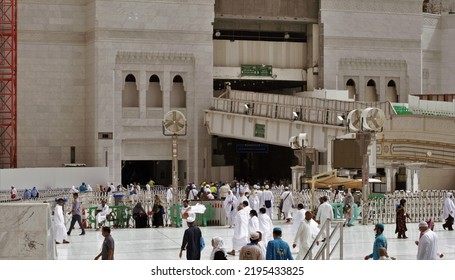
(402, 110)
(201, 219)
(119, 216)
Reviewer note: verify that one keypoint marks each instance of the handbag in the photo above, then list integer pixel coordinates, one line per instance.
(268, 203)
(202, 243)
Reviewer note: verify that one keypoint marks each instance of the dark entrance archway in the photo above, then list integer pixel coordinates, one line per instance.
(142, 171)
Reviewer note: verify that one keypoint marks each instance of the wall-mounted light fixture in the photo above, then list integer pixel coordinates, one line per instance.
(247, 108)
(341, 119)
(295, 116)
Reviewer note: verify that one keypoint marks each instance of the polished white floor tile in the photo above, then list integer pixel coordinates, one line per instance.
(164, 243)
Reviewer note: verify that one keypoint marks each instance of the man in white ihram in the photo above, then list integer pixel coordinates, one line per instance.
(288, 203)
(298, 218)
(428, 243)
(267, 200)
(325, 211)
(59, 223)
(101, 213)
(305, 234)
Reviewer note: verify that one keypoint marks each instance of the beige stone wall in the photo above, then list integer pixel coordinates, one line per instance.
(372, 31)
(153, 37)
(67, 90)
(51, 82)
(437, 179)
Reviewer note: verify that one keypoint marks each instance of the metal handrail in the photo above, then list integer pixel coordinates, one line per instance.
(325, 251)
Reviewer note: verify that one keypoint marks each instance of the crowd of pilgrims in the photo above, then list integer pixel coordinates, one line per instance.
(249, 212)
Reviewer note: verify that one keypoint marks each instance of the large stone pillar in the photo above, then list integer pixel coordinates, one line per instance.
(142, 87)
(391, 170)
(298, 175)
(412, 175)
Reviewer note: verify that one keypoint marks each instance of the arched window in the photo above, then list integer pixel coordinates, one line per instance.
(350, 86)
(130, 78)
(391, 94)
(154, 96)
(178, 94)
(130, 94)
(370, 92)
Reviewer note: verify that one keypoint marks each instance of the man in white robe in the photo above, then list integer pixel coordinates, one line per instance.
(229, 205)
(59, 223)
(224, 190)
(267, 201)
(253, 222)
(325, 211)
(254, 201)
(298, 218)
(242, 197)
(288, 203)
(428, 243)
(265, 225)
(192, 195)
(101, 213)
(241, 235)
(305, 236)
(186, 213)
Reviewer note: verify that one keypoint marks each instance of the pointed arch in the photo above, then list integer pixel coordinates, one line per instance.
(391, 93)
(154, 96)
(178, 94)
(130, 93)
(371, 91)
(350, 86)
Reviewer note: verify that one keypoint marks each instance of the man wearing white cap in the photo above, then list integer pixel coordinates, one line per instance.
(191, 242)
(252, 251)
(428, 243)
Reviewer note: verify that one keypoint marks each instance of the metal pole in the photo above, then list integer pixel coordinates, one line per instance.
(364, 138)
(175, 163)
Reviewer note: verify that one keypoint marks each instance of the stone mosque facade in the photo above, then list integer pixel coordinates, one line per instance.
(96, 77)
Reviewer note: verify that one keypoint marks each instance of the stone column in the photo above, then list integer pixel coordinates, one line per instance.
(142, 87)
(361, 88)
(166, 91)
(391, 170)
(298, 173)
(408, 178)
(412, 175)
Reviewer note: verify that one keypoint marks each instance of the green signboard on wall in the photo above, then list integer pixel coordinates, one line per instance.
(259, 130)
(256, 70)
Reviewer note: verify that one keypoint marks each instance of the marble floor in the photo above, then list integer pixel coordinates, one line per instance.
(164, 243)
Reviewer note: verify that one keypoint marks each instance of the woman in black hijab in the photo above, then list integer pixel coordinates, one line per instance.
(139, 216)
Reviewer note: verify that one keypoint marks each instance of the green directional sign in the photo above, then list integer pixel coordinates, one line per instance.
(259, 130)
(256, 70)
